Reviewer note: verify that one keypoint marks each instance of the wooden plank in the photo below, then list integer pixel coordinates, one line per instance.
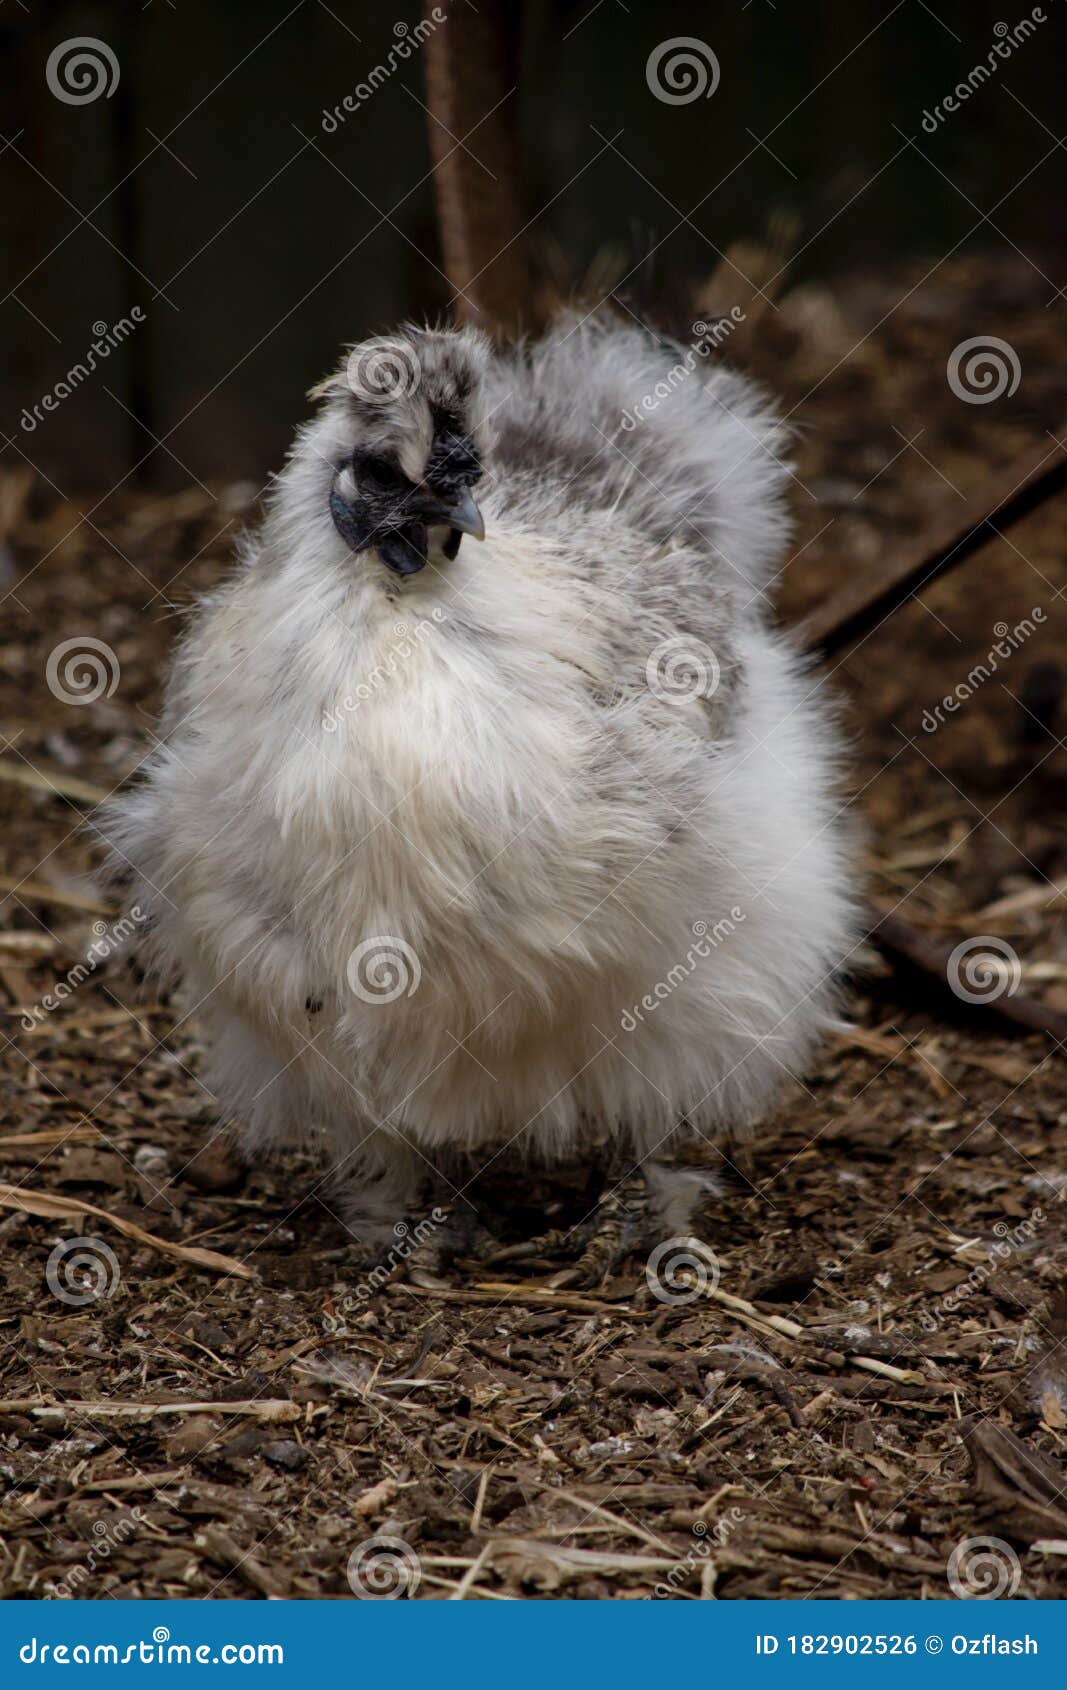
(1003, 500)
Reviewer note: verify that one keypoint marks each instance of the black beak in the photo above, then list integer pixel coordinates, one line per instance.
(461, 514)
(404, 549)
(465, 516)
(462, 517)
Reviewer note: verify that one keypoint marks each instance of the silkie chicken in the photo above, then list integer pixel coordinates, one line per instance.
(491, 812)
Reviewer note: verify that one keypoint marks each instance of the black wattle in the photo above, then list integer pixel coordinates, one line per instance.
(404, 550)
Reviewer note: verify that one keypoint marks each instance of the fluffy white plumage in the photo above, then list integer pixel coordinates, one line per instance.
(572, 780)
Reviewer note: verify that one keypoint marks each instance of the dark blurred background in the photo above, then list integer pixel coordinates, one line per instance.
(206, 191)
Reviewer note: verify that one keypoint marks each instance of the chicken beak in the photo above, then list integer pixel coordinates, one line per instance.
(465, 516)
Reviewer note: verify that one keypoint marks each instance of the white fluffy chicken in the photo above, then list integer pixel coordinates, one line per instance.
(524, 844)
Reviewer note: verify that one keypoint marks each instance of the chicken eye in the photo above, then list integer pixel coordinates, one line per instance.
(384, 475)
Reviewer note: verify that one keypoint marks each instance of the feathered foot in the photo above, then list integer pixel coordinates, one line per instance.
(450, 1230)
(618, 1227)
(641, 1207)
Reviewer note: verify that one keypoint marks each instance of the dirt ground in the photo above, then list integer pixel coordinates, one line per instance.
(904, 1208)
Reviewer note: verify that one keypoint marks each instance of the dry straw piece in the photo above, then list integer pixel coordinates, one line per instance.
(54, 1208)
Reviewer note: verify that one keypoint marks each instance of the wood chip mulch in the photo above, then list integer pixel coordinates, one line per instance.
(239, 1416)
